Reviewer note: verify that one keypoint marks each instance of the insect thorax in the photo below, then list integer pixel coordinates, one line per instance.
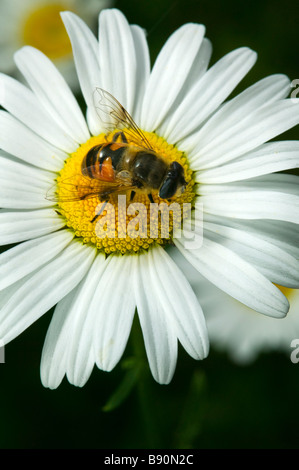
(149, 169)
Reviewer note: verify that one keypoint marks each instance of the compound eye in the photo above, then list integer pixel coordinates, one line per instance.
(168, 188)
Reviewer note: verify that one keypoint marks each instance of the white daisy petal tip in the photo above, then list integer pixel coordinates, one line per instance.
(247, 51)
(164, 380)
(25, 50)
(36, 22)
(66, 13)
(104, 362)
(78, 380)
(51, 383)
(285, 306)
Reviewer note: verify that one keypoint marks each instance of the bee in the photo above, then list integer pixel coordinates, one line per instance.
(118, 166)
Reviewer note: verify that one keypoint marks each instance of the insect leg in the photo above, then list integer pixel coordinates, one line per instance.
(150, 197)
(132, 195)
(100, 212)
(121, 135)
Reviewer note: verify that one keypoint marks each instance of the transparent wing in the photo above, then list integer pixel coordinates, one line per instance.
(78, 188)
(114, 116)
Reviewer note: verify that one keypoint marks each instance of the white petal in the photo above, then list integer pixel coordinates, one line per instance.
(274, 263)
(23, 186)
(269, 158)
(21, 103)
(159, 333)
(279, 182)
(209, 92)
(180, 304)
(236, 277)
(83, 319)
(17, 226)
(84, 315)
(244, 334)
(44, 289)
(115, 314)
(198, 69)
(173, 65)
(22, 197)
(143, 67)
(85, 50)
(116, 53)
(53, 92)
(200, 65)
(9, 291)
(192, 275)
(247, 134)
(262, 93)
(284, 235)
(25, 258)
(13, 170)
(253, 205)
(20, 141)
(54, 354)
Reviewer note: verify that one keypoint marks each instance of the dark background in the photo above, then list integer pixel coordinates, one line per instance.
(209, 404)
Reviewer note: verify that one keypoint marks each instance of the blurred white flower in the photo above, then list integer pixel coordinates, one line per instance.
(238, 330)
(38, 23)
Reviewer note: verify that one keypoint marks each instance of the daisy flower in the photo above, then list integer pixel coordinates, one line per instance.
(37, 23)
(238, 330)
(99, 282)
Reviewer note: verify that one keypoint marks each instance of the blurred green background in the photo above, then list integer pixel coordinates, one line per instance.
(209, 404)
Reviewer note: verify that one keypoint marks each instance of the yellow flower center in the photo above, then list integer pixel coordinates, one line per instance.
(121, 222)
(44, 29)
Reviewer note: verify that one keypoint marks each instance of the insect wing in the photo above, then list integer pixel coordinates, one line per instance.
(74, 189)
(114, 116)
(79, 187)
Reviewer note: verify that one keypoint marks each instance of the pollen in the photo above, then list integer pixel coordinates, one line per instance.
(122, 222)
(43, 28)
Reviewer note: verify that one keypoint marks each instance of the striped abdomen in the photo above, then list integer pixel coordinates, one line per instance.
(102, 160)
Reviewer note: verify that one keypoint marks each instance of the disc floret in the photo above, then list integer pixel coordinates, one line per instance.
(124, 225)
